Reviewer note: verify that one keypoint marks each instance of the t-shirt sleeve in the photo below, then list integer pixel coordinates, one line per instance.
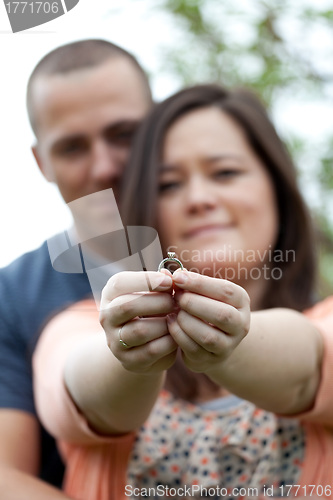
(322, 412)
(15, 363)
(55, 407)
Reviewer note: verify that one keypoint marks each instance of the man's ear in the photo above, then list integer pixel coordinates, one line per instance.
(45, 171)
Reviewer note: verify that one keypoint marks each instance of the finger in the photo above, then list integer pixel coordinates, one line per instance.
(157, 353)
(175, 286)
(224, 316)
(139, 332)
(129, 282)
(178, 334)
(205, 336)
(215, 288)
(126, 307)
(195, 356)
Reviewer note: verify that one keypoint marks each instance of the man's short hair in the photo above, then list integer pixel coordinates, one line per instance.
(76, 56)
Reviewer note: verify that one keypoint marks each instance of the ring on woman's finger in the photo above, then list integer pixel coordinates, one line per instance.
(121, 340)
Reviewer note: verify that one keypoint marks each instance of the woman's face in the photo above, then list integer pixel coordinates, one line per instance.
(217, 208)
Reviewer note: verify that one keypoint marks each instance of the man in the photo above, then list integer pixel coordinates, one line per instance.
(85, 101)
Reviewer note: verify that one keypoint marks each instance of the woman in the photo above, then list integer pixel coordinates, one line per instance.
(209, 172)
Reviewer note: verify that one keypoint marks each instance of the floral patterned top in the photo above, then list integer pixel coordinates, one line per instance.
(234, 446)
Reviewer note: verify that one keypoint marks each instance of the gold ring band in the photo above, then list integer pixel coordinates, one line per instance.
(121, 340)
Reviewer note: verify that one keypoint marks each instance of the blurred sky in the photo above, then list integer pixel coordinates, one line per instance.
(31, 210)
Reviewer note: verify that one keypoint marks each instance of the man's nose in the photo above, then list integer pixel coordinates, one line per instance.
(106, 163)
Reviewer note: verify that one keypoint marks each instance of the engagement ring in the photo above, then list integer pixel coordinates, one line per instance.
(170, 258)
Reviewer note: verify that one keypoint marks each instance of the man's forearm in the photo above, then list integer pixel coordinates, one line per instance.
(277, 366)
(17, 485)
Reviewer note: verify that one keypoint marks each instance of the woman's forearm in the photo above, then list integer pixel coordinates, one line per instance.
(277, 366)
(112, 399)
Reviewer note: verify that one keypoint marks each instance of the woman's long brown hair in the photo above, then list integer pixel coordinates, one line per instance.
(295, 289)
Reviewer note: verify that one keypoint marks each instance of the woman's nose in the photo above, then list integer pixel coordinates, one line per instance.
(200, 195)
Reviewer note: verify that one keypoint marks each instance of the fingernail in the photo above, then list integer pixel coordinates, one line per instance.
(171, 318)
(179, 277)
(166, 282)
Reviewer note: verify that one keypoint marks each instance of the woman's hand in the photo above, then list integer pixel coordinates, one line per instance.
(213, 318)
(134, 306)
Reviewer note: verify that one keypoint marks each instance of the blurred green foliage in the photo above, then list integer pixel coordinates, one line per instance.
(284, 52)
(273, 48)
(259, 43)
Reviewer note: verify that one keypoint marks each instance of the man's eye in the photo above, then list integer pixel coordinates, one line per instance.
(70, 149)
(73, 148)
(124, 138)
(121, 136)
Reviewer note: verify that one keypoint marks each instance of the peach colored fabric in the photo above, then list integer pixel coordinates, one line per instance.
(318, 463)
(95, 465)
(322, 316)
(107, 457)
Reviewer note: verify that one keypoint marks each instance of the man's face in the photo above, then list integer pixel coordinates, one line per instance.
(85, 121)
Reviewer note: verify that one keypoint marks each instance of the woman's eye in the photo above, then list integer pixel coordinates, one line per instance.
(226, 173)
(168, 186)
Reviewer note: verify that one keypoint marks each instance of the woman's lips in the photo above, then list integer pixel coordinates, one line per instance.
(206, 230)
